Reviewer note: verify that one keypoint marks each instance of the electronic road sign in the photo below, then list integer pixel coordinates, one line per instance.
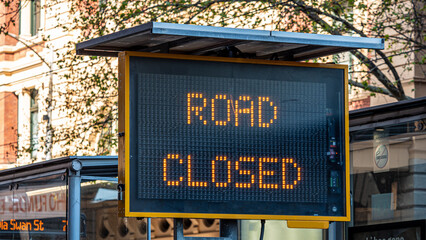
(210, 137)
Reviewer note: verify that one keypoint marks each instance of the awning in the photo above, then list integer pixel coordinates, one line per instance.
(221, 41)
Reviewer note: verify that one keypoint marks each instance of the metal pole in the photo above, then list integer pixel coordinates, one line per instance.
(74, 190)
(332, 231)
(148, 228)
(49, 130)
(229, 229)
(336, 231)
(178, 229)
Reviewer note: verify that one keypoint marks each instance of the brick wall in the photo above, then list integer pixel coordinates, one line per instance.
(357, 104)
(8, 127)
(10, 21)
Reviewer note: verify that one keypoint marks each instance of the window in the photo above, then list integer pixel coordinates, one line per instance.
(34, 123)
(35, 16)
(388, 167)
(34, 208)
(29, 17)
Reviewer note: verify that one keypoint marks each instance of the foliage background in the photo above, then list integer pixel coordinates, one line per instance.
(84, 98)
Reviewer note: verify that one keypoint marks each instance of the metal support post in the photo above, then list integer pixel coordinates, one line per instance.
(228, 231)
(178, 229)
(335, 231)
(74, 190)
(332, 231)
(148, 228)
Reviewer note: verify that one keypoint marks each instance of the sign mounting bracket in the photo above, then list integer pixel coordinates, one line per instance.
(228, 231)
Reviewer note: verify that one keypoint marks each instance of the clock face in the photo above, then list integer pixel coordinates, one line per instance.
(381, 156)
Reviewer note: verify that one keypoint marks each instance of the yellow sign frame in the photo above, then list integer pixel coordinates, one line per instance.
(124, 147)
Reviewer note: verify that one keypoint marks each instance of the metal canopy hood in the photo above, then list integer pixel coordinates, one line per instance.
(220, 41)
(91, 165)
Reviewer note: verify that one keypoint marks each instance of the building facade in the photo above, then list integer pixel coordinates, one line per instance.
(388, 169)
(24, 76)
(32, 81)
(34, 93)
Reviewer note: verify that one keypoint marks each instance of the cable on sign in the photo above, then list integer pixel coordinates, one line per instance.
(262, 228)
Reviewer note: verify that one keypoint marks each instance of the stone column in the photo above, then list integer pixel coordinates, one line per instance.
(24, 103)
(413, 200)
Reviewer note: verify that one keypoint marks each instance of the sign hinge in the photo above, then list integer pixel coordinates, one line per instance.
(120, 188)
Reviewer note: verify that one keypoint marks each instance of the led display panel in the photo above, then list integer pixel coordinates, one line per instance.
(233, 138)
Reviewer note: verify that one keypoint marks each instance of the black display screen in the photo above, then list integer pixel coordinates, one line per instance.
(236, 138)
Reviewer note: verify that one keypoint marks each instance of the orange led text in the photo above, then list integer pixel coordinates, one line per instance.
(20, 225)
(245, 172)
(260, 111)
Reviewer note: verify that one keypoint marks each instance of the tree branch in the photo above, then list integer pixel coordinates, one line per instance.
(398, 93)
(380, 76)
(309, 10)
(370, 88)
